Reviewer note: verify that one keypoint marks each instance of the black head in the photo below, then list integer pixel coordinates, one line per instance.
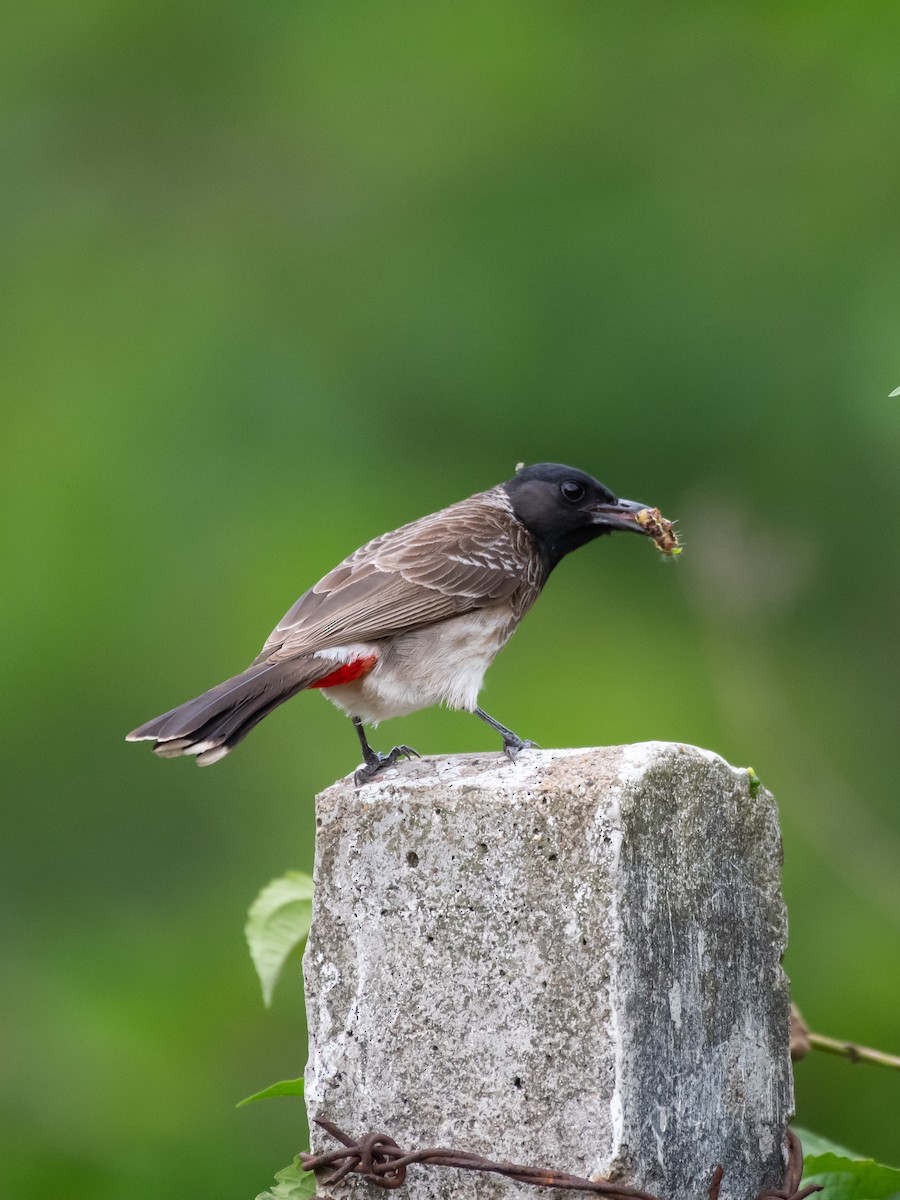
(565, 508)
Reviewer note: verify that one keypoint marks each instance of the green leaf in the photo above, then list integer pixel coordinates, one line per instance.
(851, 1178)
(277, 923)
(284, 1087)
(843, 1173)
(293, 1184)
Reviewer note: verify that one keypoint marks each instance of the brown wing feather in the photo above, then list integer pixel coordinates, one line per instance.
(469, 556)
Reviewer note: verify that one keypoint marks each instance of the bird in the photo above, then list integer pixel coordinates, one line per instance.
(413, 618)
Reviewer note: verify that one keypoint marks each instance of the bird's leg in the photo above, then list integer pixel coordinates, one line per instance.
(512, 743)
(373, 762)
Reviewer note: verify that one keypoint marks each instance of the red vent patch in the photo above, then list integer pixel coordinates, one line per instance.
(347, 672)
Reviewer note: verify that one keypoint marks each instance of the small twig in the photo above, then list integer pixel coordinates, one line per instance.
(850, 1050)
(800, 1046)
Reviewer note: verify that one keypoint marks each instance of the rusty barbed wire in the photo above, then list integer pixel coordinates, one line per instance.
(378, 1159)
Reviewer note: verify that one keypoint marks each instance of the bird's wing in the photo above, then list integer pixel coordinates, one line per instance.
(469, 556)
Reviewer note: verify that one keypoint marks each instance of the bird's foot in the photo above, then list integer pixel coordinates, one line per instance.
(512, 745)
(376, 762)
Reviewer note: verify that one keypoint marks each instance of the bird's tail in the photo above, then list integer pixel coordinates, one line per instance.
(212, 724)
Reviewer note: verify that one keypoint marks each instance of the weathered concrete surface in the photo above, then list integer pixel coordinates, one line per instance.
(571, 961)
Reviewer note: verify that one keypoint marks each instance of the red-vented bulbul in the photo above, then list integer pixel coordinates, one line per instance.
(413, 618)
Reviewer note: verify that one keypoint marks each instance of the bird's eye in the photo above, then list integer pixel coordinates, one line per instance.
(572, 490)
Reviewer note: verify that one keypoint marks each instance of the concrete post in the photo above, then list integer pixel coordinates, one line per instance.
(572, 961)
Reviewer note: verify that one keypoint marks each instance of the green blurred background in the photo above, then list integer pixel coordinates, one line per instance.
(279, 277)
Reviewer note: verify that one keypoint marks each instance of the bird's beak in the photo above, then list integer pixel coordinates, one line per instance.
(621, 515)
(631, 514)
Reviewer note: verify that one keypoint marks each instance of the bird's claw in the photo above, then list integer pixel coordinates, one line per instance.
(378, 762)
(400, 752)
(511, 747)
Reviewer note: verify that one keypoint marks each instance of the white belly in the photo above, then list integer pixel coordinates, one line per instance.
(439, 664)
